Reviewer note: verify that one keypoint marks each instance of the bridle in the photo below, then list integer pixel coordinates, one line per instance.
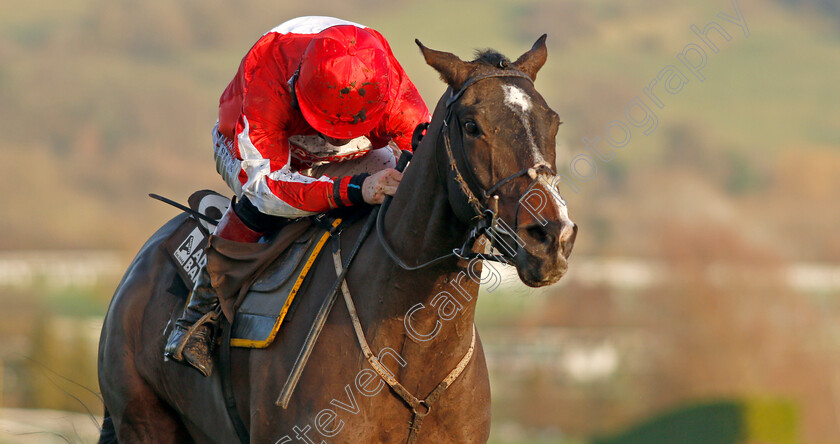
(483, 204)
(482, 217)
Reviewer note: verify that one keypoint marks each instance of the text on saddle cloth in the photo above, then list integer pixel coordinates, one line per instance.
(185, 246)
(262, 279)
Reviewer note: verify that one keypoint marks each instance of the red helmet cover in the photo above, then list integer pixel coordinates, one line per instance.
(343, 85)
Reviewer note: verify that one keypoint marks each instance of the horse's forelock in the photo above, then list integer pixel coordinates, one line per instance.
(493, 58)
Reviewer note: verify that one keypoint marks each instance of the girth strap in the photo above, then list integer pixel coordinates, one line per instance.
(419, 407)
(227, 385)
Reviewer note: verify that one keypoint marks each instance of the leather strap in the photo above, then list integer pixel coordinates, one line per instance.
(483, 207)
(471, 80)
(227, 385)
(419, 407)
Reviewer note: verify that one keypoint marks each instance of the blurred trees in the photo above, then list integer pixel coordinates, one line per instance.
(830, 8)
(722, 324)
(104, 101)
(59, 371)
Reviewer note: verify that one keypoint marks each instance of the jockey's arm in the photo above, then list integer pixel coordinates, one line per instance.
(406, 112)
(267, 177)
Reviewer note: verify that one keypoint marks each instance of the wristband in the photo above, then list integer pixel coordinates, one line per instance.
(354, 189)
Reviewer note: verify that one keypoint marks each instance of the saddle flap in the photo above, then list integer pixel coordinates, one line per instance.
(283, 268)
(269, 299)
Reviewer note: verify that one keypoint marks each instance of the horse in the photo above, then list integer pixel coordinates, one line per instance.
(491, 141)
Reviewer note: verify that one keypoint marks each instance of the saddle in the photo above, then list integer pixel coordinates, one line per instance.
(267, 302)
(257, 283)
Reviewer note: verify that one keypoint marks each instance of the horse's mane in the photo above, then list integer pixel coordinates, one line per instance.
(491, 57)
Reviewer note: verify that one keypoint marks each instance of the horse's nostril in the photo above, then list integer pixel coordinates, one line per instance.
(538, 233)
(568, 233)
(567, 239)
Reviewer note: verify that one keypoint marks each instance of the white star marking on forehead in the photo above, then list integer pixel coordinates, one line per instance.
(518, 101)
(516, 97)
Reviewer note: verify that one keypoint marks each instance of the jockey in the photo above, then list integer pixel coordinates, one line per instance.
(311, 122)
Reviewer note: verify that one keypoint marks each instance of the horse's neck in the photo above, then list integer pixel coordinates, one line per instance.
(428, 313)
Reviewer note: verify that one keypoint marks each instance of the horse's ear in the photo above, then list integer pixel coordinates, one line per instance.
(534, 59)
(452, 70)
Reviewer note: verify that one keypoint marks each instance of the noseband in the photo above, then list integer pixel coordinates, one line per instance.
(484, 205)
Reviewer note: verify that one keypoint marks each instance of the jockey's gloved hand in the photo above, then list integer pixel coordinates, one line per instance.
(381, 184)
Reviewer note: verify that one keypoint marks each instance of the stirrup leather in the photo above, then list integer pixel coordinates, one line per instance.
(211, 316)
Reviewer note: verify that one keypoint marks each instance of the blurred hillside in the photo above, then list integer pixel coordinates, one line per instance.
(104, 101)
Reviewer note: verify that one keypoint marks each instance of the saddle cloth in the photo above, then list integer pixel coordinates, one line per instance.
(267, 302)
(273, 273)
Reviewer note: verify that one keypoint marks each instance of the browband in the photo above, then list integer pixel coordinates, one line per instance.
(472, 80)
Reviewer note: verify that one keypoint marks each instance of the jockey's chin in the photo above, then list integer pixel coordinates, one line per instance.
(336, 142)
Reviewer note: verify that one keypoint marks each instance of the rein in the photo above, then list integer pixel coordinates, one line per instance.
(484, 208)
(485, 213)
(420, 408)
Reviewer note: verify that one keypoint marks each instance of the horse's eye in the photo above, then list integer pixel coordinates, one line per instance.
(471, 128)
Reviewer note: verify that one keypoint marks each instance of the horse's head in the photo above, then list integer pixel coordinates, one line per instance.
(498, 133)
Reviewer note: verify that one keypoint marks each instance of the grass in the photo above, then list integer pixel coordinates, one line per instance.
(78, 302)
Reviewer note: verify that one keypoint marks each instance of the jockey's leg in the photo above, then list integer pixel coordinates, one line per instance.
(191, 341)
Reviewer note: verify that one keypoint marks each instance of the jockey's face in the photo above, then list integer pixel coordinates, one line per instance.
(336, 142)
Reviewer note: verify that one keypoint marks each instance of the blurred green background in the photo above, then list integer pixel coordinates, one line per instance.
(707, 270)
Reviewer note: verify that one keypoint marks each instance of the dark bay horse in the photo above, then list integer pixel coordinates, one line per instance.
(491, 134)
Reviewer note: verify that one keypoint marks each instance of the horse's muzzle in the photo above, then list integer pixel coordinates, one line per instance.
(544, 258)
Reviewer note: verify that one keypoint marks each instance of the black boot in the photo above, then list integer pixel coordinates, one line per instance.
(191, 341)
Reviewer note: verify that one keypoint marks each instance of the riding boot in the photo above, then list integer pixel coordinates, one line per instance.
(193, 336)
